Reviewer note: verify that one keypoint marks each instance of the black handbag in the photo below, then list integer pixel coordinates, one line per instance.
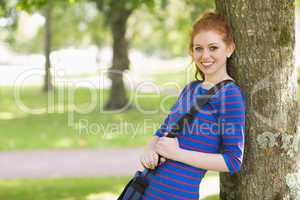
(136, 187)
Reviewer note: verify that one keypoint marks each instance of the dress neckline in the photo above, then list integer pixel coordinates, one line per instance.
(206, 89)
(203, 88)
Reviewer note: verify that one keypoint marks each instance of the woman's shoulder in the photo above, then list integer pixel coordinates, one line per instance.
(188, 88)
(232, 86)
(235, 87)
(198, 83)
(233, 90)
(193, 84)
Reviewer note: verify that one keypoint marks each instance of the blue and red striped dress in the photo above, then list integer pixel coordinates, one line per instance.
(218, 128)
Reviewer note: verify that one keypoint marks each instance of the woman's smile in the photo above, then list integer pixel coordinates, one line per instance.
(207, 64)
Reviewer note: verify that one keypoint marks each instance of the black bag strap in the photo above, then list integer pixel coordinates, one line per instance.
(200, 101)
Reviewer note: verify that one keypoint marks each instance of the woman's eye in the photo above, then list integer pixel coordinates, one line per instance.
(213, 48)
(198, 49)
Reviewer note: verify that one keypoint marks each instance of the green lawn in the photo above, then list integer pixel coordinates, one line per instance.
(62, 189)
(59, 126)
(212, 197)
(174, 78)
(106, 188)
(58, 123)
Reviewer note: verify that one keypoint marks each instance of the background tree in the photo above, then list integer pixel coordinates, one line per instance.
(46, 6)
(263, 66)
(116, 16)
(3, 7)
(81, 23)
(48, 38)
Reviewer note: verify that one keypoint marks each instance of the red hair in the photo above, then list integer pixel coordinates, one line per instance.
(211, 21)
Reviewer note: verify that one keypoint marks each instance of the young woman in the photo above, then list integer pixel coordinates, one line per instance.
(215, 139)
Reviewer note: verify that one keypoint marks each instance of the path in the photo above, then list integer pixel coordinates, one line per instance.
(79, 163)
(71, 163)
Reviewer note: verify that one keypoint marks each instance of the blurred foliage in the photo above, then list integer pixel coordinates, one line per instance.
(167, 31)
(9, 17)
(74, 25)
(108, 7)
(156, 27)
(34, 5)
(3, 7)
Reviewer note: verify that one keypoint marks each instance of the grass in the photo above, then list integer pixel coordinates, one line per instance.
(212, 197)
(62, 189)
(106, 188)
(211, 174)
(61, 125)
(57, 121)
(172, 78)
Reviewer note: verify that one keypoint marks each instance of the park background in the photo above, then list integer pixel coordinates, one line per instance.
(70, 117)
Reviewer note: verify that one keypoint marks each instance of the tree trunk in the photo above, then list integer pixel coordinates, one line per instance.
(118, 97)
(264, 68)
(48, 35)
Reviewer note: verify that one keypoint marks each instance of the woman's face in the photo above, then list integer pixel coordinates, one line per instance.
(210, 52)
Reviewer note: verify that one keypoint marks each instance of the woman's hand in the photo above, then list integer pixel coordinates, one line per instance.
(167, 147)
(149, 159)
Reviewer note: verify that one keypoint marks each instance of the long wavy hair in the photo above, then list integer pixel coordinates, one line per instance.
(210, 21)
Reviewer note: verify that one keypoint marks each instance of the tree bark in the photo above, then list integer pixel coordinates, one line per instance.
(48, 36)
(120, 62)
(263, 65)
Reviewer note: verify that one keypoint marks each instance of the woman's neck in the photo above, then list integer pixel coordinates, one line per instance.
(211, 80)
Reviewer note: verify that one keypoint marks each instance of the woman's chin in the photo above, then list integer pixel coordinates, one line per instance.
(208, 71)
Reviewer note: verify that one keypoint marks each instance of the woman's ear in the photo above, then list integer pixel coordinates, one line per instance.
(230, 49)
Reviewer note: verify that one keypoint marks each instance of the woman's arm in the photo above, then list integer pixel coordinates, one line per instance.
(169, 148)
(207, 161)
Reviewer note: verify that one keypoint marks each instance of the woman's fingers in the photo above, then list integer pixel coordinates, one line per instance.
(149, 160)
(162, 160)
(154, 160)
(144, 162)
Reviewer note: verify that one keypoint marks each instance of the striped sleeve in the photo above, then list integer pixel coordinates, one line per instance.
(232, 116)
(165, 125)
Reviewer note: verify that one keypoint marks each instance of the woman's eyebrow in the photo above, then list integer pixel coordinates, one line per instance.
(213, 43)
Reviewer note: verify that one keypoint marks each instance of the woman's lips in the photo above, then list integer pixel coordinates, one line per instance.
(207, 64)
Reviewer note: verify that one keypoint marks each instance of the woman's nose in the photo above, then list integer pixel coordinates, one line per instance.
(205, 54)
